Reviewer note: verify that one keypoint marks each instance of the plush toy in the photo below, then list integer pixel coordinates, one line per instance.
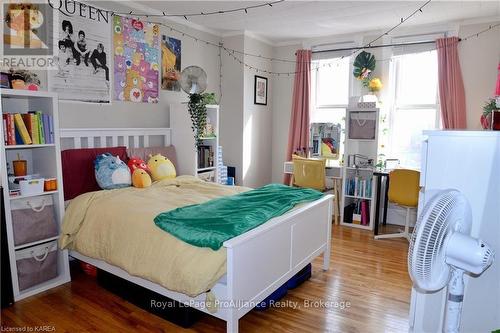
(137, 163)
(141, 178)
(161, 167)
(111, 172)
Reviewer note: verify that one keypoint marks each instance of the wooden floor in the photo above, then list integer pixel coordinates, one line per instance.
(370, 276)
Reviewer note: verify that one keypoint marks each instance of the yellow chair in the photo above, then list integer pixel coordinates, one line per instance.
(309, 173)
(403, 191)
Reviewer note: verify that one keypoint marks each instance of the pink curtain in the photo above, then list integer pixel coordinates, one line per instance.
(451, 85)
(298, 134)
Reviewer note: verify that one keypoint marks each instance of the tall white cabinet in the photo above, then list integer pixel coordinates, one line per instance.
(43, 159)
(188, 161)
(468, 161)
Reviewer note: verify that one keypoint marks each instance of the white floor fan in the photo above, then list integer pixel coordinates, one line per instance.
(442, 250)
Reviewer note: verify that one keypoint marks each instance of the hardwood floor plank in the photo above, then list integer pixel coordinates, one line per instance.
(371, 275)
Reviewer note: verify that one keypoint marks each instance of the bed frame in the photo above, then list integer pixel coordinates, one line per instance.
(258, 261)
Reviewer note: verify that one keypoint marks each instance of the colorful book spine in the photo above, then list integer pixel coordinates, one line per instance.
(5, 136)
(27, 122)
(51, 129)
(11, 129)
(40, 127)
(23, 131)
(34, 127)
(46, 130)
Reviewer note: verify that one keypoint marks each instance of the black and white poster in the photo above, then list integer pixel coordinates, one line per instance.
(84, 53)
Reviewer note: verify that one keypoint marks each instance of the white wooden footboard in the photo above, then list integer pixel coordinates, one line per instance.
(261, 260)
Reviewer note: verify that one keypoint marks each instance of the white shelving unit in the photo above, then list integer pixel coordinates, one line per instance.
(43, 159)
(184, 143)
(368, 148)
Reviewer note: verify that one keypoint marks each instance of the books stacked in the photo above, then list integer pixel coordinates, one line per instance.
(28, 128)
(360, 212)
(359, 187)
(205, 157)
(221, 168)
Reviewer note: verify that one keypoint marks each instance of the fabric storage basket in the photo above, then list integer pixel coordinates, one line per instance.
(33, 219)
(362, 125)
(36, 264)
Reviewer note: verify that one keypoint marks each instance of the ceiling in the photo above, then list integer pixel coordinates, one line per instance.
(296, 20)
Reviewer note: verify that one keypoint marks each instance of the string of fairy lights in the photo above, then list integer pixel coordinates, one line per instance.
(233, 53)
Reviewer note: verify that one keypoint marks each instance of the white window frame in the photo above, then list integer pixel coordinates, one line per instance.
(315, 104)
(395, 106)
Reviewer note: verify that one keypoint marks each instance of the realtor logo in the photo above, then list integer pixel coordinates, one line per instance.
(28, 31)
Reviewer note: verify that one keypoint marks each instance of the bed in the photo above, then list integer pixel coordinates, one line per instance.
(257, 262)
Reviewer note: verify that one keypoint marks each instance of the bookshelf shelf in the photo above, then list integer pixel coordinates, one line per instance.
(358, 185)
(30, 146)
(32, 195)
(18, 247)
(207, 169)
(357, 197)
(37, 109)
(201, 162)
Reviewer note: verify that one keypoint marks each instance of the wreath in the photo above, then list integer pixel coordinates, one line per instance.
(364, 64)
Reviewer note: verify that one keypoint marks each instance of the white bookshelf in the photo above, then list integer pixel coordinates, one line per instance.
(184, 143)
(43, 159)
(368, 148)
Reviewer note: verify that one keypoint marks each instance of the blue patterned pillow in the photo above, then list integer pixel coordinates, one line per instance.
(111, 172)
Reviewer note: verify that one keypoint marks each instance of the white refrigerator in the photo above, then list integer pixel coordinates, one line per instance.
(468, 161)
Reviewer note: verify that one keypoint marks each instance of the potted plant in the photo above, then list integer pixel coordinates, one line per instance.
(198, 113)
(490, 119)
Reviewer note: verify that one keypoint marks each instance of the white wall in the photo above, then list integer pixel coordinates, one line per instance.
(282, 108)
(128, 114)
(231, 110)
(479, 58)
(257, 119)
(246, 128)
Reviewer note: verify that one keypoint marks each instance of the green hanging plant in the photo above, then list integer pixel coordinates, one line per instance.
(198, 112)
(364, 65)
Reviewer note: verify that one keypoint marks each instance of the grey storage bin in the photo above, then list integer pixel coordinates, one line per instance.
(36, 264)
(362, 125)
(33, 219)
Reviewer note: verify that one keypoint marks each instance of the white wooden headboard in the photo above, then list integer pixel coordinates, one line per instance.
(112, 137)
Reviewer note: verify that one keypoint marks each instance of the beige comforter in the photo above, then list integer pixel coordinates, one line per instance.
(117, 226)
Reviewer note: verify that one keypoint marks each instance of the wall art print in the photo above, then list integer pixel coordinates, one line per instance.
(83, 55)
(137, 60)
(171, 63)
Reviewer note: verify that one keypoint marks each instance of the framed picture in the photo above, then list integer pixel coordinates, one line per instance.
(260, 90)
(5, 80)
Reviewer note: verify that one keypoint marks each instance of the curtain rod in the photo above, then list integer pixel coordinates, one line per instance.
(376, 46)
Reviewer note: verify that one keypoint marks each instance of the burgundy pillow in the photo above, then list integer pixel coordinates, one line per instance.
(78, 169)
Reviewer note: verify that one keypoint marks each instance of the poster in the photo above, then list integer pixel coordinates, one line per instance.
(83, 55)
(171, 63)
(137, 60)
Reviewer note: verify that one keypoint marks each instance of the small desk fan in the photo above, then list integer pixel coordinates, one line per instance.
(441, 251)
(193, 80)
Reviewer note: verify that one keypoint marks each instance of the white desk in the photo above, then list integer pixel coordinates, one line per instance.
(333, 180)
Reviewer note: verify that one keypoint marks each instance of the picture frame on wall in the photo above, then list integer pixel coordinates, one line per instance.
(260, 90)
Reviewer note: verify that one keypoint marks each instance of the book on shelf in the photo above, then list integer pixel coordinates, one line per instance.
(28, 128)
(23, 131)
(359, 187)
(205, 157)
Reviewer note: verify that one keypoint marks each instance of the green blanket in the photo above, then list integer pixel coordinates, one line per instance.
(211, 223)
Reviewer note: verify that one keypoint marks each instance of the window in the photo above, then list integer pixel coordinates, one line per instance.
(415, 107)
(330, 92)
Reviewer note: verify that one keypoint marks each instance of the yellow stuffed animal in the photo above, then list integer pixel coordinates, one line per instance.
(161, 167)
(141, 178)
